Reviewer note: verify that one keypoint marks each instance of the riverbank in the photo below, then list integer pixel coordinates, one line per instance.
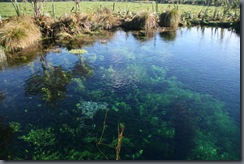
(79, 27)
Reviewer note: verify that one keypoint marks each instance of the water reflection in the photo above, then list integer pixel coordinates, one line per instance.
(168, 35)
(25, 56)
(143, 36)
(87, 40)
(51, 81)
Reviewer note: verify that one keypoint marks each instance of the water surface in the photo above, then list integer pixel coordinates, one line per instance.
(175, 94)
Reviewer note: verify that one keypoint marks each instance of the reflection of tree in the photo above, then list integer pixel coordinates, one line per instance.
(81, 69)
(5, 139)
(52, 81)
(168, 35)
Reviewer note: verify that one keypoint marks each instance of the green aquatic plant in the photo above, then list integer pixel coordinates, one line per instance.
(121, 106)
(158, 74)
(47, 156)
(39, 142)
(77, 155)
(67, 129)
(40, 137)
(209, 113)
(15, 126)
(47, 94)
(207, 148)
(89, 108)
(137, 154)
(79, 82)
(78, 51)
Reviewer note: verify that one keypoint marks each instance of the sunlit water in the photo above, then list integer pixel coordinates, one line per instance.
(177, 94)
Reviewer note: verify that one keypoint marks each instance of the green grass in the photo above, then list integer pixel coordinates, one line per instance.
(7, 9)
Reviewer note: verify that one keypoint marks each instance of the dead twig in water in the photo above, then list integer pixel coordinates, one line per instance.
(104, 127)
(101, 137)
(120, 137)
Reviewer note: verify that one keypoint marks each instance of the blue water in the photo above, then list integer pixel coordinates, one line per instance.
(178, 94)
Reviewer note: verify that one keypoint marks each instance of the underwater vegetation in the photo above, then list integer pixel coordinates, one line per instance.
(173, 123)
(164, 119)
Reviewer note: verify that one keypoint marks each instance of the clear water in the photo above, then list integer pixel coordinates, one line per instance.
(176, 94)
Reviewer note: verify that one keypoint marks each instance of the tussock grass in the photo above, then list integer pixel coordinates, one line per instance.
(141, 21)
(170, 18)
(19, 33)
(103, 18)
(2, 55)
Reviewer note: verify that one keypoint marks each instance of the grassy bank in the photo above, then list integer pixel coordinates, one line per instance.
(61, 8)
(67, 23)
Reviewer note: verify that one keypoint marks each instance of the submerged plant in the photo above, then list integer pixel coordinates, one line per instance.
(15, 126)
(40, 137)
